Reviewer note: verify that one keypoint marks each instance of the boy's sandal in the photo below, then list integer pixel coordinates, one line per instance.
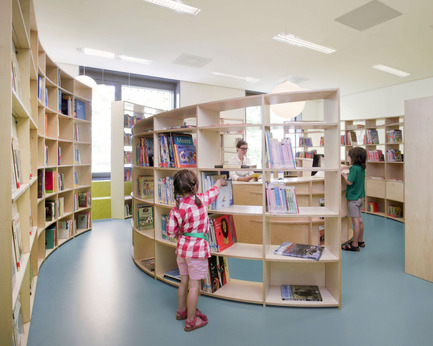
(192, 325)
(360, 243)
(350, 247)
(181, 315)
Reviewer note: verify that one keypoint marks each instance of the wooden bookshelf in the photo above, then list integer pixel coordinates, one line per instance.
(418, 187)
(121, 201)
(46, 141)
(384, 179)
(325, 273)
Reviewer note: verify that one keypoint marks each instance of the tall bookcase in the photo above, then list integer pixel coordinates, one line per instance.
(277, 270)
(32, 89)
(384, 184)
(123, 114)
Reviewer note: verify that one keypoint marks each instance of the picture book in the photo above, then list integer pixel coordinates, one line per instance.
(300, 250)
(173, 275)
(144, 217)
(223, 235)
(225, 197)
(17, 161)
(148, 263)
(83, 220)
(184, 150)
(16, 236)
(218, 274)
(146, 187)
(301, 293)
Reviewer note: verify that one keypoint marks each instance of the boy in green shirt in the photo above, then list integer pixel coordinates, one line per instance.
(355, 194)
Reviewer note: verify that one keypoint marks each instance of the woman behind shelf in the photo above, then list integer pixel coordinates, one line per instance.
(189, 222)
(355, 194)
(241, 159)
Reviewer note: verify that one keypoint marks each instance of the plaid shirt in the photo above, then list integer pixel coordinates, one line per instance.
(189, 218)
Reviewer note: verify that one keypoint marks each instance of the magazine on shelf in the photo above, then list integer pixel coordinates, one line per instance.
(184, 150)
(146, 187)
(300, 250)
(307, 293)
(173, 275)
(144, 217)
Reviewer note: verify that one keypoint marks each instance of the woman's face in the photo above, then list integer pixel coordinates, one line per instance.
(242, 150)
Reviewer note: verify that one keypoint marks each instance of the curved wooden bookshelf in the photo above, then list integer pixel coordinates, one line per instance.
(206, 127)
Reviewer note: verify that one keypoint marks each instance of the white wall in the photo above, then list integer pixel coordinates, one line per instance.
(195, 93)
(384, 102)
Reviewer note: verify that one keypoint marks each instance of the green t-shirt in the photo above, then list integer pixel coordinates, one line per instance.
(357, 178)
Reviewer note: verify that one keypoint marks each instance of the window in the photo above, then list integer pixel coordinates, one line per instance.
(115, 86)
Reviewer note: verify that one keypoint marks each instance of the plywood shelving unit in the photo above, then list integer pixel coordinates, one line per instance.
(325, 273)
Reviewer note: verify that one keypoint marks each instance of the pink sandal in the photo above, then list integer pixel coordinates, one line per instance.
(191, 325)
(182, 315)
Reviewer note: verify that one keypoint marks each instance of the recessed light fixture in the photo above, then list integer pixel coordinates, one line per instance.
(391, 70)
(298, 42)
(176, 6)
(110, 55)
(246, 79)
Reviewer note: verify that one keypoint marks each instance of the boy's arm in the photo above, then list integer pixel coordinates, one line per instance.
(345, 176)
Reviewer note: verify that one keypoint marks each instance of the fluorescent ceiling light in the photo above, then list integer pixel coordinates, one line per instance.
(298, 42)
(176, 6)
(391, 70)
(247, 79)
(110, 55)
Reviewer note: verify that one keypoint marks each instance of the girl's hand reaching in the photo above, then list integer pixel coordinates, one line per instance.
(220, 182)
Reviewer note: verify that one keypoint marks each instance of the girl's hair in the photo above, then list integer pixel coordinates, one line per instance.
(240, 143)
(358, 156)
(185, 182)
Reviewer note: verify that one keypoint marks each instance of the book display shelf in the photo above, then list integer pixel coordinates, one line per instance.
(150, 246)
(384, 185)
(49, 183)
(124, 115)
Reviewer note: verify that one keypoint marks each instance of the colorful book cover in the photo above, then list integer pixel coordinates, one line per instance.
(185, 150)
(309, 293)
(300, 250)
(49, 181)
(146, 187)
(173, 275)
(225, 197)
(213, 274)
(144, 217)
(222, 232)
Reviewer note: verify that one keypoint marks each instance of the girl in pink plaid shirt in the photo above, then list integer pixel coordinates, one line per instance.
(189, 222)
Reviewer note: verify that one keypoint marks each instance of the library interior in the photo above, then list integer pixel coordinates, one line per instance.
(139, 153)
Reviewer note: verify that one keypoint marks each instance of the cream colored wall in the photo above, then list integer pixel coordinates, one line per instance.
(384, 102)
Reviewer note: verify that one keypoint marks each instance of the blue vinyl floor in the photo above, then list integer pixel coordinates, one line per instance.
(89, 292)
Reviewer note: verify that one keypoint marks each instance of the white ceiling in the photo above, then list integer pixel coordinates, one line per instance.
(236, 35)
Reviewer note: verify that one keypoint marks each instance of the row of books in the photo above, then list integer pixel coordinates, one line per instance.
(225, 197)
(280, 153)
(372, 136)
(165, 191)
(54, 209)
(77, 156)
(372, 207)
(394, 155)
(375, 155)
(144, 152)
(306, 154)
(127, 157)
(127, 174)
(305, 142)
(127, 139)
(130, 120)
(395, 211)
(222, 232)
(281, 199)
(177, 150)
(394, 136)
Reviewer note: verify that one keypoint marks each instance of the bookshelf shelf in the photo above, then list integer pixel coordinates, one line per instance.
(264, 230)
(382, 195)
(31, 100)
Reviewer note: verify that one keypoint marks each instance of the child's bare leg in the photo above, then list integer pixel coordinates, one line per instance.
(194, 287)
(182, 292)
(361, 230)
(356, 231)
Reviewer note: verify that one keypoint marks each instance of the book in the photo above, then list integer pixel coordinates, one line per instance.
(144, 217)
(218, 274)
(80, 110)
(41, 183)
(50, 237)
(49, 181)
(17, 161)
(225, 197)
(300, 250)
(83, 221)
(16, 237)
(173, 275)
(146, 186)
(223, 235)
(148, 263)
(184, 150)
(301, 293)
